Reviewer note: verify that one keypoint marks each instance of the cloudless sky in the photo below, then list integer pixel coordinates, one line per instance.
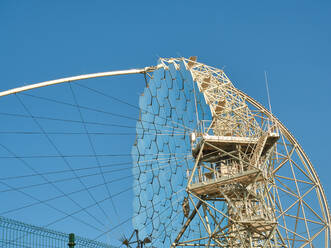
(291, 40)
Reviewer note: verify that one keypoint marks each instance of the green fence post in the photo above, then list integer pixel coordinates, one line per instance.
(71, 243)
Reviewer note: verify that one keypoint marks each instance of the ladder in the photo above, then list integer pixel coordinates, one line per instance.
(259, 149)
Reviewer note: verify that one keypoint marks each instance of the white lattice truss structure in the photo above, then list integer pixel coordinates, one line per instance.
(252, 185)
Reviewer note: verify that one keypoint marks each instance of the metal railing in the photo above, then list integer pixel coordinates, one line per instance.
(210, 127)
(18, 234)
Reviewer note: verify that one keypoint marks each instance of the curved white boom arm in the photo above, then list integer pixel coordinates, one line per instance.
(75, 78)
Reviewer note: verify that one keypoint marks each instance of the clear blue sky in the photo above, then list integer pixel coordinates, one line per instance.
(291, 40)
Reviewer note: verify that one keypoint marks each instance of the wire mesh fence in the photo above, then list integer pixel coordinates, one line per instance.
(18, 234)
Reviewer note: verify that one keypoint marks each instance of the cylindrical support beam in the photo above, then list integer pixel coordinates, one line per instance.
(76, 78)
(187, 223)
